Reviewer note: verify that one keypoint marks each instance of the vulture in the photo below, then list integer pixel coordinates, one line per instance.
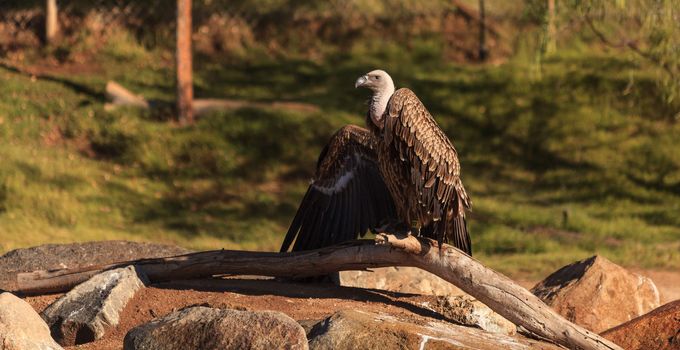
(401, 172)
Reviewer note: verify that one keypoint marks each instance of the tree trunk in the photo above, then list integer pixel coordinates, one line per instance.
(495, 290)
(185, 88)
(483, 51)
(51, 22)
(551, 31)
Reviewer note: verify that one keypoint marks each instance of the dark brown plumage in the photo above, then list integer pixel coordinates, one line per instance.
(347, 195)
(402, 170)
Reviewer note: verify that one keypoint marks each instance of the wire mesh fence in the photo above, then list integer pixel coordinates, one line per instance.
(235, 26)
(22, 23)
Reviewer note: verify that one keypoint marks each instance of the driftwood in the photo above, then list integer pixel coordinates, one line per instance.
(493, 289)
(121, 96)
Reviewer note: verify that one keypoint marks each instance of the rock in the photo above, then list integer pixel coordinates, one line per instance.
(598, 294)
(656, 330)
(399, 279)
(208, 328)
(354, 329)
(86, 312)
(21, 328)
(307, 325)
(58, 256)
(468, 311)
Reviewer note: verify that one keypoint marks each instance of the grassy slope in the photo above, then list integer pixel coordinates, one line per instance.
(559, 168)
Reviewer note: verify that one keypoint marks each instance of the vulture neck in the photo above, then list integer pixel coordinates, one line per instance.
(379, 104)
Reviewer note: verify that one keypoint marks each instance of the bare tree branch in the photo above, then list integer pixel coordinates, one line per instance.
(495, 290)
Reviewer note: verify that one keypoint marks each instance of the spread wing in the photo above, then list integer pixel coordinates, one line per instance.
(346, 197)
(414, 136)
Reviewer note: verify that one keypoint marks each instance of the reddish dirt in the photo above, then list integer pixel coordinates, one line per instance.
(298, 300)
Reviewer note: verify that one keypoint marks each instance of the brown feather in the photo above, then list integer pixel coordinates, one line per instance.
(433, 178)
(347, 180)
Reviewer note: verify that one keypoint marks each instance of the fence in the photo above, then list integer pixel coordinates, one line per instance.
(231, 26)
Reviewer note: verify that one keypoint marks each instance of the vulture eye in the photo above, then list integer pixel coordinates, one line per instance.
(377, 77)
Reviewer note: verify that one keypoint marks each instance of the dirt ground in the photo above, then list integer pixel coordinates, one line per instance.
(298, 300)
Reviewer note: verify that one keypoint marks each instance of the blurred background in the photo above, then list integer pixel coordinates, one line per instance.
(566, 116)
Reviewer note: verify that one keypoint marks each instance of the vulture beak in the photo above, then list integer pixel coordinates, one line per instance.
(361, 81)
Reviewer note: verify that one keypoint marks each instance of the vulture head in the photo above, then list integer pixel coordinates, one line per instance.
(378, 81)
(383, 87)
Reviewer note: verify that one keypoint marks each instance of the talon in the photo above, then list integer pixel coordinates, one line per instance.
(381, 239)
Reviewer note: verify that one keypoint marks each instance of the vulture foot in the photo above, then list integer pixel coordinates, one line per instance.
(407, 243)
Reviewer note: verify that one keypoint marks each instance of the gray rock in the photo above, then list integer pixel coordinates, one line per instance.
(21, 328)
(468, 311)
(353, 329)
(58, 256)
(399, 279)
(598, 294)
(208, 328)
(86, 312)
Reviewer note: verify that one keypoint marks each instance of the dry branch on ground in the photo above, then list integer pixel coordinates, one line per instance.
(120, 96)
(493, 289)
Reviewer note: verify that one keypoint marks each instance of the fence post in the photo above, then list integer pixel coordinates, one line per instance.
(51, 23)
(483, 51)
(185, 88)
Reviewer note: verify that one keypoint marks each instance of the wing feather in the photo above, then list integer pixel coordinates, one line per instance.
(411, 132)
(346, 197)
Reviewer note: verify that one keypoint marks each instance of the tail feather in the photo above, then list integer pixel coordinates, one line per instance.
(459, 235)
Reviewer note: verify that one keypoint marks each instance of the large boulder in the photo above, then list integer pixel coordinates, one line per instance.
(93, 307)
(21, 328)
(656, 330)
(399, 279)
(354, 329)
(208, 328)
(59, 256)
(598, 294)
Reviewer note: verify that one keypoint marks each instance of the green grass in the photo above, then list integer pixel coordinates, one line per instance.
(579, 160)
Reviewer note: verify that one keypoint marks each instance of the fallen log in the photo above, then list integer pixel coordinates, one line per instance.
(121, 96)
(493, 289)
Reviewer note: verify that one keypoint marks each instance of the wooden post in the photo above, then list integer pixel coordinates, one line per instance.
(483, 51)
(185, 88)
(51, 23)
